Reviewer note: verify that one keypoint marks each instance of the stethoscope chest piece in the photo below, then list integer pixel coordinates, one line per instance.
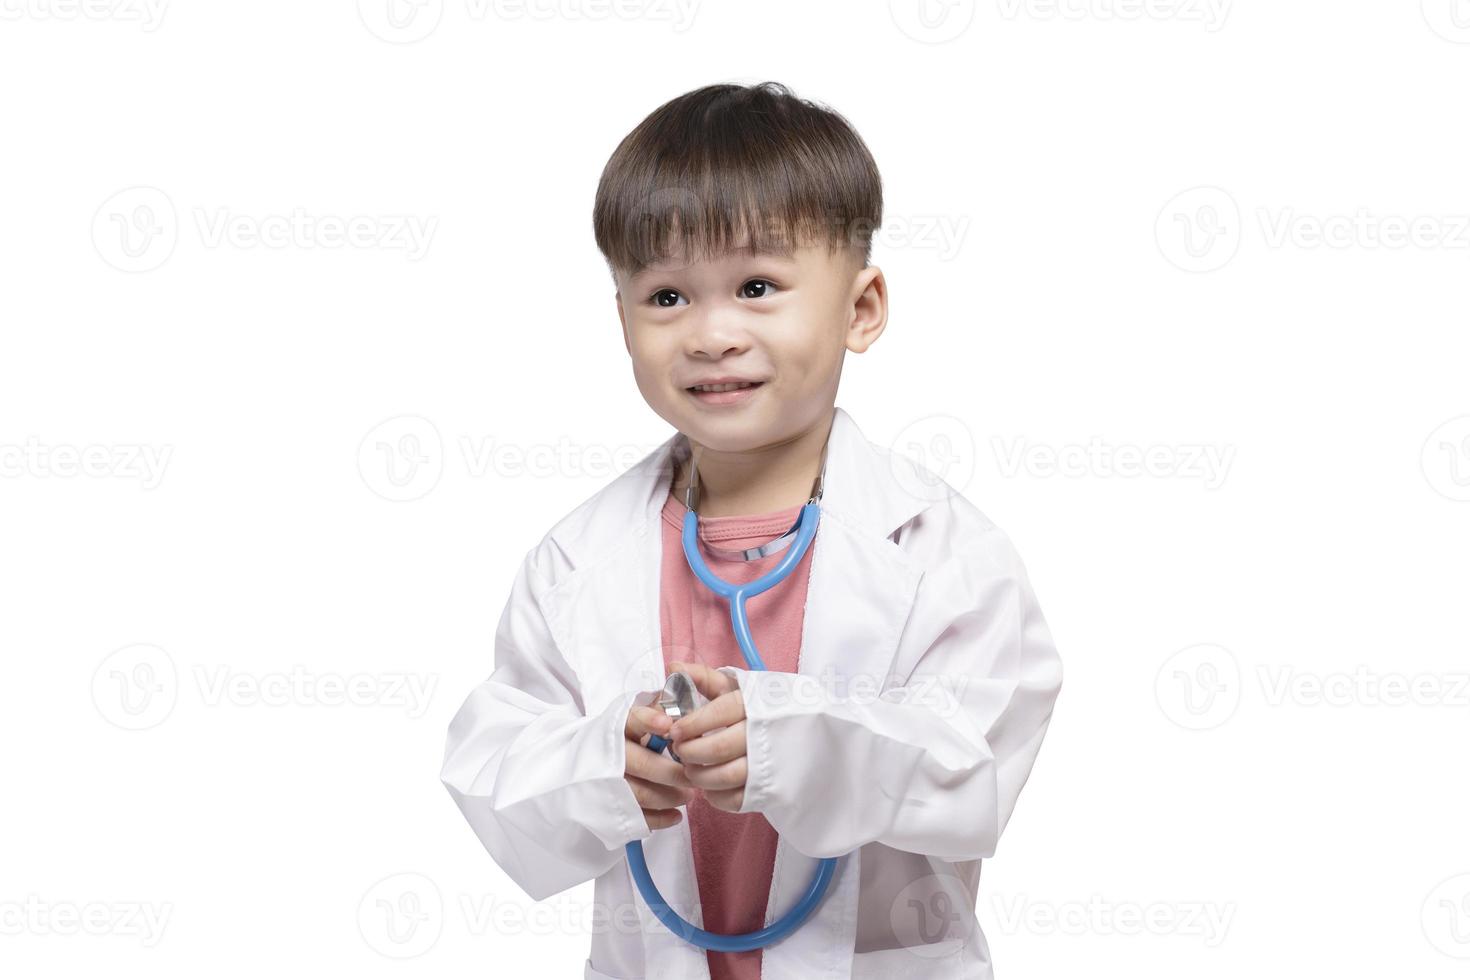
(678, 698)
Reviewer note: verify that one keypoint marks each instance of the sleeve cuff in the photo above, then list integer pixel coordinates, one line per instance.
(621, 804)
(757, 739)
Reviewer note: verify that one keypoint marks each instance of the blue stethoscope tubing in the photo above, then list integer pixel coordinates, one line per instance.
(737, 595)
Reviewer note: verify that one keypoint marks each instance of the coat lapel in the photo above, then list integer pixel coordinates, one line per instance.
(609, 610)
(861, 591)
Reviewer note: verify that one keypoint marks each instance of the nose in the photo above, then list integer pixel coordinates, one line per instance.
(716, 331)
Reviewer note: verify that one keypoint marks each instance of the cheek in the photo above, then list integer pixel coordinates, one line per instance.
(810, 343)
(651, 361)
(645, 350)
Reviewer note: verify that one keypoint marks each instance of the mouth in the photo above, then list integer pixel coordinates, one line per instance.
(724, 393)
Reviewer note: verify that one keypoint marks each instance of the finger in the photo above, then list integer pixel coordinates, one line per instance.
(711, 682)
(713, 749)
(643, 719)
(656, 767)
(653, 796)
(724, 710)
(726, 776)
(659, 819)
(729, 800)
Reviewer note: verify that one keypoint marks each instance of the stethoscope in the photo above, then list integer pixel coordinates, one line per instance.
(680, 696)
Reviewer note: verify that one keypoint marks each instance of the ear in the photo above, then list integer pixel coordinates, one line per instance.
(618, 299)
(869, 309)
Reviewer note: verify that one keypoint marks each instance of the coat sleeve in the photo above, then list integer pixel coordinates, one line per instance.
(538, 776)
(934, 766)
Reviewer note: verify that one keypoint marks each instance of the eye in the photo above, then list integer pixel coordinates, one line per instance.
(757, 289)
(667, 297)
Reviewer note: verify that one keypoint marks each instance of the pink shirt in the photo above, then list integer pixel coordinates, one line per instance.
(734, 853)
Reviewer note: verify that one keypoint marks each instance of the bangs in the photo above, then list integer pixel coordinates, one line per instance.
(734, 168)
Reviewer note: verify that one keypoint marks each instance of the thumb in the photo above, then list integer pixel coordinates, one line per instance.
(711, 682)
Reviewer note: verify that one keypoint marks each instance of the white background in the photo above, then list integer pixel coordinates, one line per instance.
(1256, 765)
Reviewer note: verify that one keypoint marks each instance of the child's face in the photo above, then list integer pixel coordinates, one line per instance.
(784, 321)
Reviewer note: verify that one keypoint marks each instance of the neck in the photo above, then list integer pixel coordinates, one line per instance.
(755, 481)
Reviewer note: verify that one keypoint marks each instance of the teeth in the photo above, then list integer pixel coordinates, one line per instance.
(725, 387)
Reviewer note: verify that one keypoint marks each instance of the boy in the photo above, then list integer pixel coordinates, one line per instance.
(909, 674)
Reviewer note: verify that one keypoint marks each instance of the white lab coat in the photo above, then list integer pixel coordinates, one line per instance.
(915, 593)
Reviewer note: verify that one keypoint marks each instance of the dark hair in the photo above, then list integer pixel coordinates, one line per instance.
(725, 159)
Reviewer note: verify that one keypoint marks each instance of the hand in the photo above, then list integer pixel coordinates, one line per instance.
(658, 782)
(714, 763)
